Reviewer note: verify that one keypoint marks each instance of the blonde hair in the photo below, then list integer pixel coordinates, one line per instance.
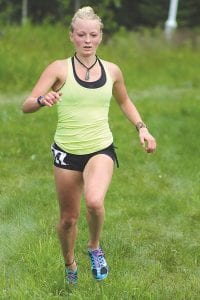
(85, 13)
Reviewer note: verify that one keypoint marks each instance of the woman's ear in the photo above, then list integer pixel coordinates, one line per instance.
(101, 37)
(71, 36)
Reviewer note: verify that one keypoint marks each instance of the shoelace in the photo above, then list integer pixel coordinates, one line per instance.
(71, 276)
(97, 257)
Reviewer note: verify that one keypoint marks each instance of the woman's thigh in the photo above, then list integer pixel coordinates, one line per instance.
(69, 186)
(97, 176)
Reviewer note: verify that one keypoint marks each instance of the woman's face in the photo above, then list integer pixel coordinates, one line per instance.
(86, 36)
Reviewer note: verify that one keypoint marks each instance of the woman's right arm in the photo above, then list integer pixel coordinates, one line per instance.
(47, 80)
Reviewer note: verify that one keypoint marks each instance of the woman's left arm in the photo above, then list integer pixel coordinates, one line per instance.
(130, 110)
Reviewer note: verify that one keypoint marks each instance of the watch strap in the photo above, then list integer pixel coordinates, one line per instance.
(140, 125)
(39, 101)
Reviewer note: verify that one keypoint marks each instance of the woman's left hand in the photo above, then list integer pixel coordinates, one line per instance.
(147, 140)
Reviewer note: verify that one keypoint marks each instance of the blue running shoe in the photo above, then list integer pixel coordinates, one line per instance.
(99, 265)
(71, 276)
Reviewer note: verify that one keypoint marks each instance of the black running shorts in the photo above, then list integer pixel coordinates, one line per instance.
(76, 162)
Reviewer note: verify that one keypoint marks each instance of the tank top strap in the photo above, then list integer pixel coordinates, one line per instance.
(73, 78)
(70, 75)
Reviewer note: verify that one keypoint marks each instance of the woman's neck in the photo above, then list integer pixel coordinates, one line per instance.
(86, 60)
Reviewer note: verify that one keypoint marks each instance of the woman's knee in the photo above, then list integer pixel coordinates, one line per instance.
(95, 204)
(68, 221)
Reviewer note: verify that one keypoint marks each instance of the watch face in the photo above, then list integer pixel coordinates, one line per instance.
(140, 125)
(39, 100)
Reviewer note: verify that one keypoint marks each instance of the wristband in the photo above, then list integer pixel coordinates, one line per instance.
(39, 101)
(140, 125)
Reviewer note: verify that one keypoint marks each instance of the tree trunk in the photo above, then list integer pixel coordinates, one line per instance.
(24, 11)
(77, 4)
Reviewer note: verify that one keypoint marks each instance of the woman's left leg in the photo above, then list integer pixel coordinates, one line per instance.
(97, 176)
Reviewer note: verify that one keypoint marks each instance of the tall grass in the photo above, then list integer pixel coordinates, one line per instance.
(26, 51)
(152, 229)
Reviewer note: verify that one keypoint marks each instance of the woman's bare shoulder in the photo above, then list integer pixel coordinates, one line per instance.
(59, 65)
(113, 69)
(58, 69)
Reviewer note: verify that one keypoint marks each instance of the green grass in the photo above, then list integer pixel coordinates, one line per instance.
(152, 229)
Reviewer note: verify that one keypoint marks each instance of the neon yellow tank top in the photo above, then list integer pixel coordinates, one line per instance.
(82, 126)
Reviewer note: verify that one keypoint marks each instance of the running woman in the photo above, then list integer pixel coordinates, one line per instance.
(84, 156)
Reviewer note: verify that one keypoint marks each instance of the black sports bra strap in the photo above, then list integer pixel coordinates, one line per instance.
(94, 84)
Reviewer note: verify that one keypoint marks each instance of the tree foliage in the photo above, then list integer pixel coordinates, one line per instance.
(115, 13)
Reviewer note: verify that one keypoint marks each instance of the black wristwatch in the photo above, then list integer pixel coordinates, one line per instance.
(39, 101)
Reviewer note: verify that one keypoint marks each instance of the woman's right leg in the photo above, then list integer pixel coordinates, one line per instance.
(69, 185)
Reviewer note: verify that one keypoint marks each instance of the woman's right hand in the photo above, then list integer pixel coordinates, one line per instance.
(50, 98)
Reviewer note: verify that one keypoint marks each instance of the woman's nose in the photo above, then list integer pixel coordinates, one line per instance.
(87, 38)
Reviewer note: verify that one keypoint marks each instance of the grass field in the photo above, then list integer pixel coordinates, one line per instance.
(152, 231)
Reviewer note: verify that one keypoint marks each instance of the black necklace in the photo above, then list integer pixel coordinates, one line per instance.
(87, 74)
